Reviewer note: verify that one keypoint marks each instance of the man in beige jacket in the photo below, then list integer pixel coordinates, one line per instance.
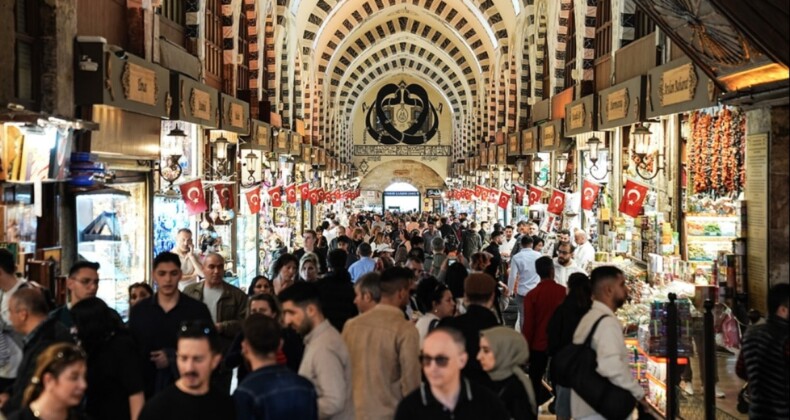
(384, 349)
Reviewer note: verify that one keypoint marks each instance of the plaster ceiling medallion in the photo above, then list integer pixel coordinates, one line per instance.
(402, 114)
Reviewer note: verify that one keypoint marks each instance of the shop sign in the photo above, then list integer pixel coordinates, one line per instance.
(492, 155)
(236, 116)
(513, 146)
(548, 136)
(529, 141)
(677, 85)
(200, 104)
(483, 156)
(281, 146)
(622, 104)
(131, 84)
(577, 116)
(139, 84)
(617, 105)
(296, 145)
(501, 154)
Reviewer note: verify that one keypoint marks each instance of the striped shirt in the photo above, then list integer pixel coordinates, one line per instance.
(766, 357)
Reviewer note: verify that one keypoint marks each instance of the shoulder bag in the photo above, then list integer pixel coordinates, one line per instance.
(574, 366)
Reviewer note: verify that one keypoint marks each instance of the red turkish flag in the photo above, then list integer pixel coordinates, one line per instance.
(254, 199)
(479, 191)
(275, 194)
(483, 194)
(194, 196)
(314, 197)
(535, 194)
(633, 197)
(290, 193)
(504, 198)
(590, 192)
(321, 194)
(493, 196)
(469, 194)
(557, 202)
(329, 197)
(304, 191)
(519, 198)
(225, 195)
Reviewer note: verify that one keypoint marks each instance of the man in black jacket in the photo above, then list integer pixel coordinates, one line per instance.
(336, 291)
(479, 299)
(496, 257)
(28, 313)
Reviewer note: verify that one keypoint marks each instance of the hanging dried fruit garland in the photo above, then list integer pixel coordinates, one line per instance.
(716, 152)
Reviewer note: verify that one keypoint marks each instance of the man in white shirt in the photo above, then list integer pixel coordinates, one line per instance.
(509, 243)
(609, 294)
(190, 265)
(564, 265)
(584, 253)
(522, 267)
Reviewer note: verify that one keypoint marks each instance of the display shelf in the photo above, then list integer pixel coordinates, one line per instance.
(655, 381)
(712, 217)
(711, 238)
(657, 359)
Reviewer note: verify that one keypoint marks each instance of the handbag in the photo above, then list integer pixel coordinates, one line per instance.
(574, 366)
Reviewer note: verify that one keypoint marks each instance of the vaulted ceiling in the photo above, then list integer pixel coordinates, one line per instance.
(354, 43)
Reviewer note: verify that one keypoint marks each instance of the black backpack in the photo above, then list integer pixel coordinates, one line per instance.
(574, 367)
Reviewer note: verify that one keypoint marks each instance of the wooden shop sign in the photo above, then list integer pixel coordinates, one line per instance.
(513, 145)
(139, 84)
(622, 104)
(617, 104)
(529, 140)
(200, 104)
(677, 87)
(580, 116)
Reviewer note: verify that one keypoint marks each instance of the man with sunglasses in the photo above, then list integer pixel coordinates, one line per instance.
(564, 265)
(191, 397)
(448, 394)
(82, 283)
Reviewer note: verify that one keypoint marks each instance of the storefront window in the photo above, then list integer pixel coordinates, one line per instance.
(247, 253)
(111, 230)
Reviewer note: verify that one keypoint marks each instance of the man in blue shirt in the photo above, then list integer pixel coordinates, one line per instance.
(271, 391)
(522, 268)
(365, 264)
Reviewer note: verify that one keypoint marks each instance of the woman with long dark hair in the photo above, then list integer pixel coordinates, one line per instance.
(114, 367)
(57, 386)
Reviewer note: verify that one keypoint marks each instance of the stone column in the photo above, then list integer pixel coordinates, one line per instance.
(779, 191)
(7, 44)
(58, 29)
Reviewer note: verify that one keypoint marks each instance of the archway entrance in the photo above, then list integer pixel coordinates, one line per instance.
(401, 197)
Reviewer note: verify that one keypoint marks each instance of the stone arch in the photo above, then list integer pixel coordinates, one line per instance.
(410, 171)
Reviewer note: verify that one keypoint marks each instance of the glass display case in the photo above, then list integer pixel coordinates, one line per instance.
(247, 249)
(112, 230)
(170, 215)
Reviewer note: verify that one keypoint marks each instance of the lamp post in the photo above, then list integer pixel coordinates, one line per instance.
(537, 169)
(641, 137)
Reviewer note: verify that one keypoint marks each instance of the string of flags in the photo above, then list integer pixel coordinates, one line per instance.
(194, 196)
(633, 198)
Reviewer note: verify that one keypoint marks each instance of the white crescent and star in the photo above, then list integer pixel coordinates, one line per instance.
(255, 199)
(631, 192)
(588, 193)
(197, 194)
(559, 201)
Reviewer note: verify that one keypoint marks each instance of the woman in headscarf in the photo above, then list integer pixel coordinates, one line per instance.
(503, 351)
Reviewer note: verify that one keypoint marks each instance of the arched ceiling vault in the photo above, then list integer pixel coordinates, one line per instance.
(403, 44)
(424, 34)
(453, 26)
(497, 17)
(402, 170)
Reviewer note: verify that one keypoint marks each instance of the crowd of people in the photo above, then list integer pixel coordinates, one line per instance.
(402, 319)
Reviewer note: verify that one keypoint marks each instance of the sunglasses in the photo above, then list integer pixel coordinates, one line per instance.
(441, 361)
